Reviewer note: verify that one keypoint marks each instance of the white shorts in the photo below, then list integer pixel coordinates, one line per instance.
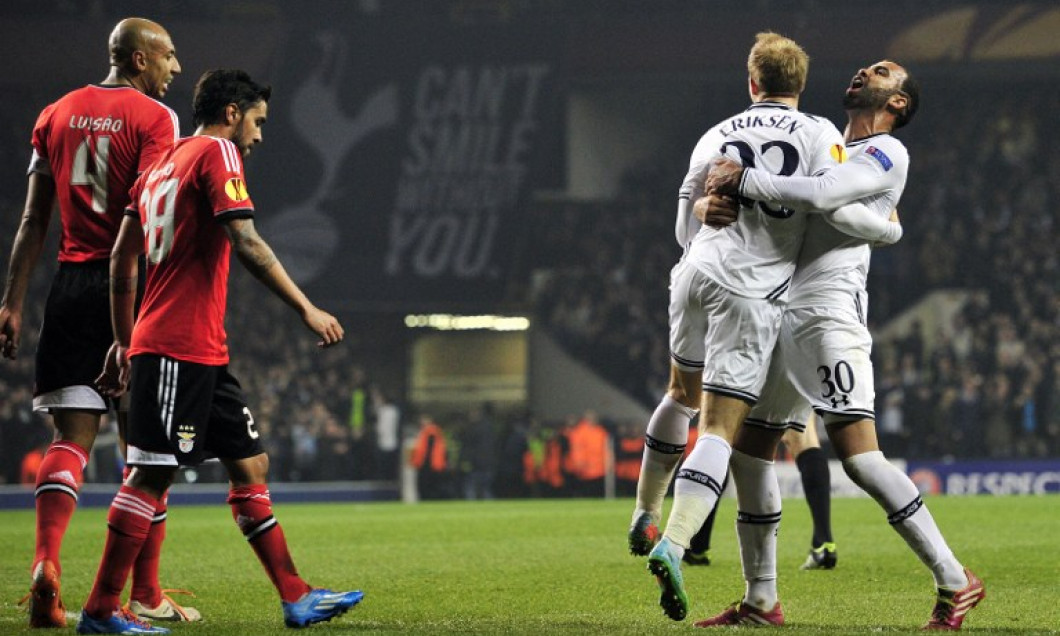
(781, 406)
(729, 337)
(827, 354)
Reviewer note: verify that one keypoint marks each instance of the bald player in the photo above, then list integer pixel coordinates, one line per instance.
(88, 148)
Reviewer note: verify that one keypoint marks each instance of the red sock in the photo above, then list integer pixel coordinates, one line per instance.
(145, 587)
(252, 510)
(58, 481)
(128, 524)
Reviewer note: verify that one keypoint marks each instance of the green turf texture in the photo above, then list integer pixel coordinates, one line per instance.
(561, 566)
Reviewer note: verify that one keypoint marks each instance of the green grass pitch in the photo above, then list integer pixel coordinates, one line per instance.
(561, 566)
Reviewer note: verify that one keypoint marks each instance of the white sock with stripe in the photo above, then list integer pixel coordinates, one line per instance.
(664, 444)
(698, 487)
(907, 514)
(757, 521)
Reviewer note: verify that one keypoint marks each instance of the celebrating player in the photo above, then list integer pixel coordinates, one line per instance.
(727, 295)
(189, 211)
(88, 148)
(825, 344)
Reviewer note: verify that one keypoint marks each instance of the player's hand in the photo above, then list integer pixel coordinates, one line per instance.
(324, 325)
(716, 210)
(10, 328)
(114, 379)
(894, 216)
(724, 177)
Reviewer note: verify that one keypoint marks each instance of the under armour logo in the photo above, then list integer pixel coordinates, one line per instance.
(840, 399)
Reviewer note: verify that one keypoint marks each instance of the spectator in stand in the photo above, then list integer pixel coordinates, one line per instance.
(478, 450)
(431, 461)
(387, 433)
(586, 460)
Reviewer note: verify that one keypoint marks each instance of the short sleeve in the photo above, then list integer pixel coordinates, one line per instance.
(221, 178)
(39, 161)
(133, 208)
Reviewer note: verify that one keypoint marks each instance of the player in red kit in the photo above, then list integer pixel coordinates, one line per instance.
(88, 148)
(188, 213)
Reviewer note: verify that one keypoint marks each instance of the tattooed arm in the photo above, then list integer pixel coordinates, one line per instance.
(259, 259)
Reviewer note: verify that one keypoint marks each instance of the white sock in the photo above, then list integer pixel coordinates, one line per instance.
(664, 444)
(698, 487)
(757, 521)
(908, 514)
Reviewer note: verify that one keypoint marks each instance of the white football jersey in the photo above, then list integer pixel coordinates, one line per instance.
(755, 256)
(833, 263)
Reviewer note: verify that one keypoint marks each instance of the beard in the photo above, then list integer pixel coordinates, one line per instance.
(240, 143)
(867, 98)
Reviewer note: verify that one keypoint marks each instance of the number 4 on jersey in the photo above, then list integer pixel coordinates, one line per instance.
(90, 169)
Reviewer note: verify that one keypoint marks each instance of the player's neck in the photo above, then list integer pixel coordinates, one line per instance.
(789, 100)
(866, 123)
(215, 130)
(118, 78)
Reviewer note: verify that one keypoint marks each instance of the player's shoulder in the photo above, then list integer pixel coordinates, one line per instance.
(819, 124)
(150, 106)
(72, 99)
(885, 148)
(890, 142)
(124, 101)
(221, 150)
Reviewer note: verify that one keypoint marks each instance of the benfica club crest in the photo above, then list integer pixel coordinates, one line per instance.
(187, 439)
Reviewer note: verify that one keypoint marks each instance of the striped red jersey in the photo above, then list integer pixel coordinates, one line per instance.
(93, 142)
(183, 202)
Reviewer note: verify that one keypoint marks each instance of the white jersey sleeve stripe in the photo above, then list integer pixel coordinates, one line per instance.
(176, 123)
(233, 152)
(228, 151)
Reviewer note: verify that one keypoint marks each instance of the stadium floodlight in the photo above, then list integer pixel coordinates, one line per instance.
(451, 322)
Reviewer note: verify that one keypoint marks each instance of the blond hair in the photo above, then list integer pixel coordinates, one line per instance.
(778, 65)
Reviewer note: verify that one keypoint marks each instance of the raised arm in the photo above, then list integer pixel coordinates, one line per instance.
(25, 252)
(259, 259)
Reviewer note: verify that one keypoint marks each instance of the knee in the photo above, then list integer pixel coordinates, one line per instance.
(685, 388)
(859, 466)
(683, 396)
(152, 480)
(76, 427)
(252, 470)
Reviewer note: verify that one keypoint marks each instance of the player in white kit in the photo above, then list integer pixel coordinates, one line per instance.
(825, 344)
(727, 295)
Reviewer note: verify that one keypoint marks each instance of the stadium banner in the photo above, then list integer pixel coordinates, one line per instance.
(406, 153)
(987, 477)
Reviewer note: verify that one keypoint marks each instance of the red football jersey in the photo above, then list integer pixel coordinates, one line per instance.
(182, 202)
(94, 142)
